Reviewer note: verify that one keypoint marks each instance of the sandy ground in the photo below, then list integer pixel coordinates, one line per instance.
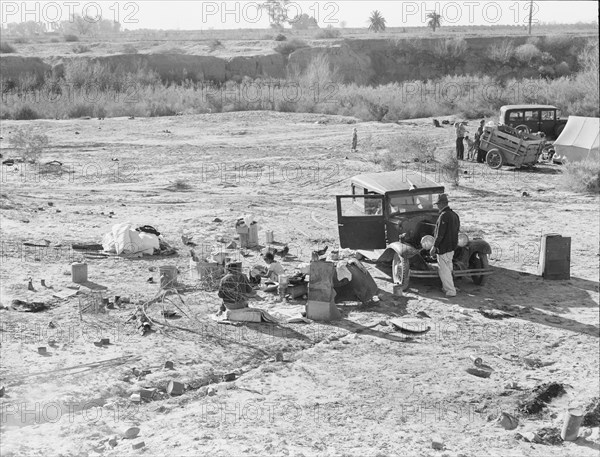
(351, 387)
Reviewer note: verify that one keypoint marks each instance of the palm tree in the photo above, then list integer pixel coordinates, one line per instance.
(377, 22)
(435, 20)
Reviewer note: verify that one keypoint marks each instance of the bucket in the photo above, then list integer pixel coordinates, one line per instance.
(204, 270)
(79, 272)
(573, 420)
(252, 236)
(398, 290)
(168, 276)
(175, 388)
(269, 237)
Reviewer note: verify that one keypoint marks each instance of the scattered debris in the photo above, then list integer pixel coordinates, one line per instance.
(231, 245)
(536, 363)
(138, 445)
(437, 443)
(169, 365)
(540, 396)
(42, 350)
(494, 313)
(530, 437)
(526, 194)
(479, 372)
(279, 357)
(410, 326)
(229, 377)
(423, 314)
(131, 433)
(592, 416)
(549, 435)
(507, 421)
(2, 390)
(216, 219)
(25, 307)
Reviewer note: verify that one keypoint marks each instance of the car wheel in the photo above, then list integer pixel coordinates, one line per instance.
(522, 128)
(401, 271)
(478, 261)
(494, 159)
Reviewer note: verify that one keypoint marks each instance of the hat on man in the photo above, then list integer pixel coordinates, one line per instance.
(442, 198)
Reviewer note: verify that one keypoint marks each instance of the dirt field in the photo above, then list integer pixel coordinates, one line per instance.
(351, 387)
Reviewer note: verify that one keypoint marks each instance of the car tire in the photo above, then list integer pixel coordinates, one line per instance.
(494, 159)
(478, 261)
(522, 128)
(401, 271)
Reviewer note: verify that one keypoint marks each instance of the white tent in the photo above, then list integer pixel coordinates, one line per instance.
(579, 139)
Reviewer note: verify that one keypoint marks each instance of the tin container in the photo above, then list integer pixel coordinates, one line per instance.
(168, 276)
(175, 388)
(79, 272)
(398, 290)
(269, 237)
(573, 420)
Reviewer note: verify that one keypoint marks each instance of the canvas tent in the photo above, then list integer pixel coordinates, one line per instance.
(579, 139)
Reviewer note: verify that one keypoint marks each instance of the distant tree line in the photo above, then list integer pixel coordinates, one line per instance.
(75, 25)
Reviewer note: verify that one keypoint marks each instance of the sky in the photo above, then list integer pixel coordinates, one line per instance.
(203, 15)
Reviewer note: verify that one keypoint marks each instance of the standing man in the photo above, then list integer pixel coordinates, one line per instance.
(354, 139)
(461, 130)
(446, 241)
(479, 152)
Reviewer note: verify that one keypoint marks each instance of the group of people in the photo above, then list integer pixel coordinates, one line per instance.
(474, 152)
(235, 287)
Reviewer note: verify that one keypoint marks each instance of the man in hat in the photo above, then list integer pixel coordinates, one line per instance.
(354, 139)
(234, 288)
(461, 131)
(479, 153)
(446, 241)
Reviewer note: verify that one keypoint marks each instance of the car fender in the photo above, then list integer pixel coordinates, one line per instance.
(399, 248)
(479, 246)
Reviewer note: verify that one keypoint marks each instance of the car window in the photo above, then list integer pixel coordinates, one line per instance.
(515, 116)
(547, 115)
(407, 203)
(531, 115)
(361, 206)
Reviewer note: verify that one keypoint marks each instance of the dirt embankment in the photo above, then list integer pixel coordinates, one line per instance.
(363, 61)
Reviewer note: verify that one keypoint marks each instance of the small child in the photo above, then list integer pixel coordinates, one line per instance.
(274, 268)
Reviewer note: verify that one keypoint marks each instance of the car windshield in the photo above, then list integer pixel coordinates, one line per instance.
(408, 203)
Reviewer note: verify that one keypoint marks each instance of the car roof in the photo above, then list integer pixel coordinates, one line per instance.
(507, 107)
(396, 181)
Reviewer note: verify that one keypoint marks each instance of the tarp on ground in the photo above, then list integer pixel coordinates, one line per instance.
(361, 285)
(579, 139)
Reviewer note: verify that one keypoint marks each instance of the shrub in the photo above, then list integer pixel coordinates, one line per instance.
(582, 176)
(25, 113)
(29, 144)
(527, 52)
(129, 49)
(280, 37)
(450, 48)
(328, 33)
(286, 48)
(80, 49)
(450, 167)
(69, 38)
(562, 69)
(7, 48)
(54, 40)
(80, 110)
(213, 45)
(21, 40)
(501, 52)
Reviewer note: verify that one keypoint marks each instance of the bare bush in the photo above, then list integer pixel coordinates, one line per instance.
(69, 38)
(213, 45)
(328, 33)
(501, 52)
(450, 167)
(582, 176)
(7, 48)
(30, 145)
(80, 49)
(287, 47)
(526, 53)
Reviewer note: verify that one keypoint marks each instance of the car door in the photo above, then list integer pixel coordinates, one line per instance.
(361, 221)
(547, 121)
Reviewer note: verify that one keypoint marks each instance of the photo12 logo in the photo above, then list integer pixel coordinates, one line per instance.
(470, 12)
(56, 12)
(277, 12)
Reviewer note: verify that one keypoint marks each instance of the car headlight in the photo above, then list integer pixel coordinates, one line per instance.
(427, 242)
(463, 240)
